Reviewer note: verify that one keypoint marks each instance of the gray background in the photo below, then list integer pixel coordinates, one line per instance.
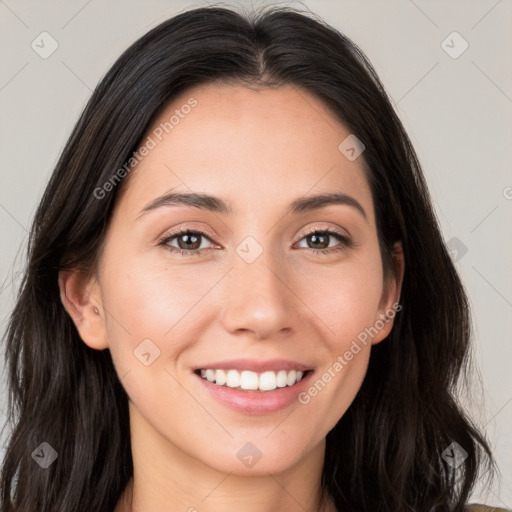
(456, 111)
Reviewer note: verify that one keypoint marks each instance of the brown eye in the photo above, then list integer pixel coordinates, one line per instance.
(189, 242)
(320, 241)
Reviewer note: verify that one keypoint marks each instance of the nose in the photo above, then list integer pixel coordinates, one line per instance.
(259, 300)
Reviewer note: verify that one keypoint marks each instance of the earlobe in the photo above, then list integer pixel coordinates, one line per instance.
(78, 294)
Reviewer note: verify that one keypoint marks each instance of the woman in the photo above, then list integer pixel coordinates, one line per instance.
(238, 296)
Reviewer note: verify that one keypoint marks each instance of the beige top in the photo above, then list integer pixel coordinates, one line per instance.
(476, 507)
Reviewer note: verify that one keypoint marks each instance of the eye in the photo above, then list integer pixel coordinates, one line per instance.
(189, 242)
(321, 240)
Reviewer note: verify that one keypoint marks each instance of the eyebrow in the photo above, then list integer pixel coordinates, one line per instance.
(217, 205)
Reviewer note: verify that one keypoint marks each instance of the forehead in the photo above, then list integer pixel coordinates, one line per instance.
(254, 145)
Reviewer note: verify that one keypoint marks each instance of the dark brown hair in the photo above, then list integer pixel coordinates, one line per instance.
(385, 453)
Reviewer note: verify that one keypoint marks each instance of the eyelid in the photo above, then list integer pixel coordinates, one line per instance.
(326, 227)
(191, 228)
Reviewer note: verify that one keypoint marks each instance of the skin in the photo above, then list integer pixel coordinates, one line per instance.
(259, 150)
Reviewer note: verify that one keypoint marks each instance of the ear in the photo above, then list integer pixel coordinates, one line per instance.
(389, 303)
(79, 293)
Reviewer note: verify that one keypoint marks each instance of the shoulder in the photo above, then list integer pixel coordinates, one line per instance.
(484, 508)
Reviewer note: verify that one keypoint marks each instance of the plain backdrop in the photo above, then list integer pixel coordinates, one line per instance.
(453, 92)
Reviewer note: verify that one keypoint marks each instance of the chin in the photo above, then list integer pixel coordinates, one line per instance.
(256, 458)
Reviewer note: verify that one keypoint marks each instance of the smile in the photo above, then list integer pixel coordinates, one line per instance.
(252, 381)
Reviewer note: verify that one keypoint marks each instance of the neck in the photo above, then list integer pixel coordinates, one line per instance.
(132, 501)
(166, 478)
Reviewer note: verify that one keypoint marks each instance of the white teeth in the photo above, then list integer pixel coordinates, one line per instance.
(281, 379)
(248, 380)
(290, 379)
(232, 379)
(268, 381)
(220, 377)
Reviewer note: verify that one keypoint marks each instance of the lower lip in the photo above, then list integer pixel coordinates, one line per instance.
(256, 402)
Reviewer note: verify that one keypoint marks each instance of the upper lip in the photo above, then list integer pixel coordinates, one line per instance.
(255, 365)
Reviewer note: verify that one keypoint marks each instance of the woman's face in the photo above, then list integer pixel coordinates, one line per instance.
(263, 293)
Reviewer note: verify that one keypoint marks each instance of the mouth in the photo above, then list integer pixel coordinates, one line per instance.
(254, 386)
(251, 381)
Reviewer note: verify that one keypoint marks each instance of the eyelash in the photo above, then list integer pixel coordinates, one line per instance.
(346, 243)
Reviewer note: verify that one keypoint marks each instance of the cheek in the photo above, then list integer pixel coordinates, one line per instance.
(150, 318)
(151, 300)
(345, 298)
